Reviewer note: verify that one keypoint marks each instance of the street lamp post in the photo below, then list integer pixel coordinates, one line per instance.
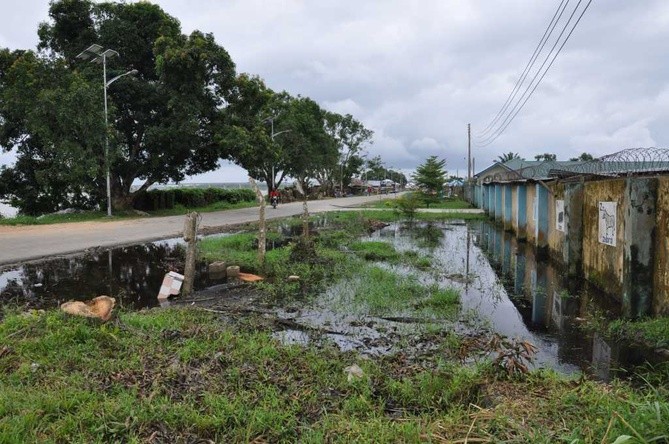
(272, 136)
(100, 56)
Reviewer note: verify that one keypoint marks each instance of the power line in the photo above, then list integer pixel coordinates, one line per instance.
(507, 121)
(537, 50)
(483, 141)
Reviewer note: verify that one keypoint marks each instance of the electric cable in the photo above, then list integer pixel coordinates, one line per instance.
(540, 46)
(507, 121)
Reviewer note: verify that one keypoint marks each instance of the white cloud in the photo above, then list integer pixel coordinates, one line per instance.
(418, 72)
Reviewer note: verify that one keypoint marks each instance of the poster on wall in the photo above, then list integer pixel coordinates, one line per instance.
(607, 223)
(559, 215)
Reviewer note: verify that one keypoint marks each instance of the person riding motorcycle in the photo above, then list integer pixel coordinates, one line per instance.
(274, 197)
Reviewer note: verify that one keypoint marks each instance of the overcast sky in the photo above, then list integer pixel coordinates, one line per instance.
(416, 72)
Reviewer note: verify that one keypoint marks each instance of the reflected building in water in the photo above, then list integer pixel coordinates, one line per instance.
(554, 305)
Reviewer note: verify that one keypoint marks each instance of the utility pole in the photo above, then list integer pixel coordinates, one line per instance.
(469, 151)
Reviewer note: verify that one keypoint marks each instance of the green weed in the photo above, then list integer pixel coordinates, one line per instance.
(653, 332)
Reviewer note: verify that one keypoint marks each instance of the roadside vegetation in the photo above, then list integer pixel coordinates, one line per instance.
(101, 216)
(182, 375)
(447, 203)
(650, 332)
(199, 373)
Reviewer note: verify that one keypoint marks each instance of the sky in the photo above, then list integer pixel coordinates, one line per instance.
(417, 72)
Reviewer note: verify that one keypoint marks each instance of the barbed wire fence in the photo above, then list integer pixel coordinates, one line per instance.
(627, 162)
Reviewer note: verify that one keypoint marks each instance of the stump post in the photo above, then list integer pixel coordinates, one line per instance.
(262, 225)
(190, 236)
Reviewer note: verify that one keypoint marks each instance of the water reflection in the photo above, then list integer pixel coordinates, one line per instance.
(518, 292)
(131, 274)
(551, 305)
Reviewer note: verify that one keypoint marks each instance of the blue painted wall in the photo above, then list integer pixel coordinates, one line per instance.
(521, 216)
(507, 206)
(498, 202)
(542, 216)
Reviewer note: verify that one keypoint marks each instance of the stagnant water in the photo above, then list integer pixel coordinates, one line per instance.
(520, 294)
(503, 283)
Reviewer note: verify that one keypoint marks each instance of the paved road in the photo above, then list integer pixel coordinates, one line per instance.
(20, 244)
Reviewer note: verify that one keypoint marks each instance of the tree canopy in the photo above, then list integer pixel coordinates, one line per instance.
(546, 157)
(164, 123)
(584, 157)
(430, 176)
(508, 156)
(182, 111)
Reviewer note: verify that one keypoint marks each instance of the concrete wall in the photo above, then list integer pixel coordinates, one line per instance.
(635, 271)
(521, 211)
(514, 208)
(542, 202)
(661, 274)
(556, 238)
(531, 216)
(499, 207)
(507, 198)
(603, 264)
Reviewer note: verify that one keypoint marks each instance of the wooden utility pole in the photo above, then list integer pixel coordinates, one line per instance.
(469, 151)
(262, 225)
(190, 236)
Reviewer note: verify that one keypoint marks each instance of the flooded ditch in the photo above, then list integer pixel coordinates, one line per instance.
(505, 288)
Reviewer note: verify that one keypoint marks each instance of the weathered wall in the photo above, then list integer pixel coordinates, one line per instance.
(639, 249)
(661, 275)
(531, 218)
(603, 264)
(635, 271)
(542, 198)
(514, 208)
(506, 206)
(556, 238)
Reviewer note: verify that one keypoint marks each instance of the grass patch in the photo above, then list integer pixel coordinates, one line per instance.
(652, 332)
(391, 216)
(444, 298)
(183, 376)
(447, 204)
(375, 250)
(101, 216)
(382, 292)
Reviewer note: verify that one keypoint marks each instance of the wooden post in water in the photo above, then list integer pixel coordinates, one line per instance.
(262, 226)
(190, 236)
(305, 210)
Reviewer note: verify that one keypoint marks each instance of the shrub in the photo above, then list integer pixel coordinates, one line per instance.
(191, 198)
(408, 204)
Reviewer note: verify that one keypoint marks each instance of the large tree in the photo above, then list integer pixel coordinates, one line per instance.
(430, 177)
(349, 137)
(256, 129)
(58, 162)
(307, 144)
(165, 123)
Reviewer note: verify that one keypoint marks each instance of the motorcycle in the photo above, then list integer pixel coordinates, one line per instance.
(274, 201)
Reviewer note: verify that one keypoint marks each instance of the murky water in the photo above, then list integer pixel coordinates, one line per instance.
(133, 275)
(527, 296)
(505, 287)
